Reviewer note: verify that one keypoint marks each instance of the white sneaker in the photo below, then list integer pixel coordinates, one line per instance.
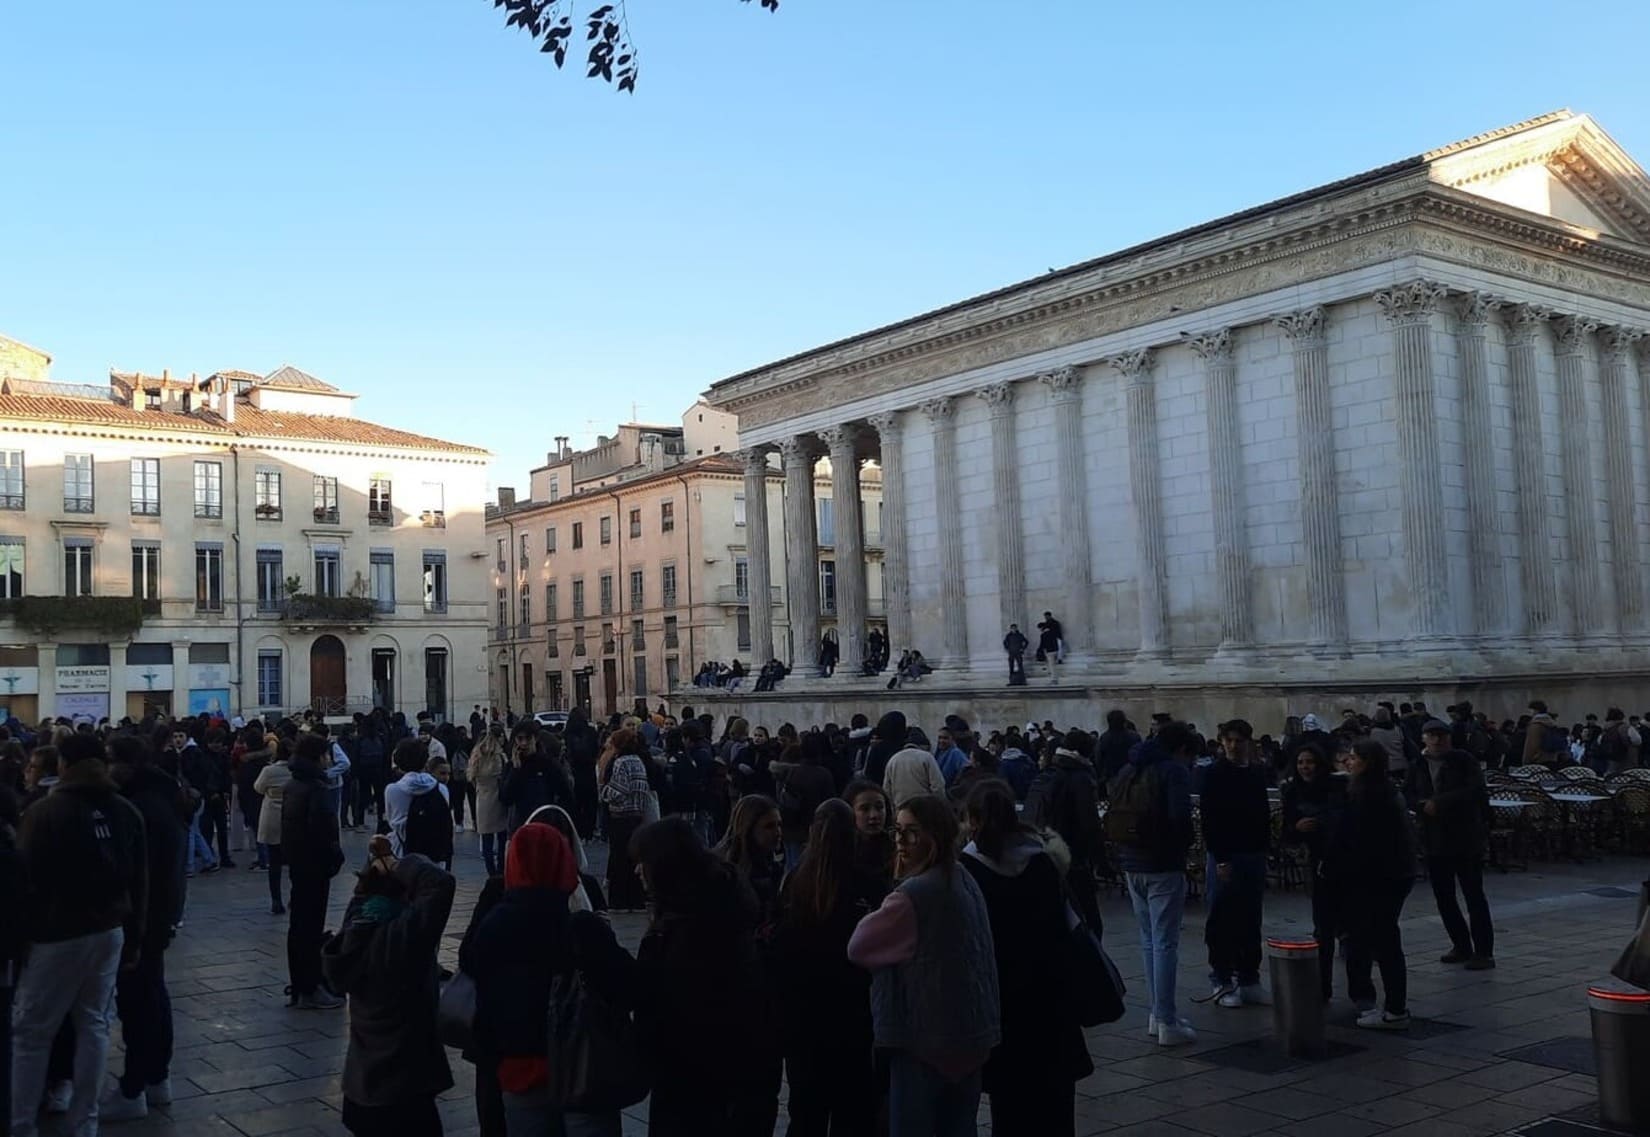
(1254, 995)
(1177, 1033)
(59, 1095)
(1377, 1019)
(160, 1093)
(116, 1106)
(1151, 1026)
(1229, 997)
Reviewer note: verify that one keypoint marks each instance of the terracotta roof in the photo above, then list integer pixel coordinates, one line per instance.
(710, 464)
(232, 373)
(289, 378)
(250, 422)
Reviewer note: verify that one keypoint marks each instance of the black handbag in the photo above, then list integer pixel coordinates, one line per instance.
(1094, 986)
(596, 1060)
(455, 1015)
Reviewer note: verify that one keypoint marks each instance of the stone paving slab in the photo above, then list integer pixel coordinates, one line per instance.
(247, 1066)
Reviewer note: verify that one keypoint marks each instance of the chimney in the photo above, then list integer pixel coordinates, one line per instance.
(226, 402)
(561, 448)
(652, 453)
(506, 497)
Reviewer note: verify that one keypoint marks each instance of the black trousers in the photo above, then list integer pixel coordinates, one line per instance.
(489, 1100)
(276, 862)
(415, 1118)
(832, 1095)
(145, 1009)
(1325, 927)
(459, 789)
(1084, 894)
(1045, 1108)
(1016, 667)
(305, 929)
(1478, 937)
(1370, 919)
(215, 819)
(623, 889)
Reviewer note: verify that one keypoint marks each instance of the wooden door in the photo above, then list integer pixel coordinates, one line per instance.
(327, 688)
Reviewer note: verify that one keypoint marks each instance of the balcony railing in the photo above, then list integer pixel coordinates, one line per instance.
(672, 640)
(326, 514)
(433, 518)
(307, 608)
(579, 648)
(380, 517)
(638, 642)
(670, 598)
(609, 647)
(116, 617)
(733, 596)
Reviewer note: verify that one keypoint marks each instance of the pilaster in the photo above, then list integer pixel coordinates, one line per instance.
(1065, 387)
(948, 518)
(756, 552)
(1615, 375)
(1009, 547)
(1151, 573)
(1572, 339)
(896, 579)
(1540, 606)
(1472, 313)
(843, 442)
(1227, 498)
(801, 552)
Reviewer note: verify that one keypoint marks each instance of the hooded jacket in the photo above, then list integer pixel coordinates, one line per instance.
(309, 822)
(1065, 797)
(271, 782)
(911, 773)
(888, 740)
(384, 960)
(398, 798)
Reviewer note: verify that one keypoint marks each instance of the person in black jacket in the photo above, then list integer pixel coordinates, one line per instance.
(86, 867)
(211, 777)
(1312, 802)
(1065, 797)
(1032, 1073)
(1446, 791)
(887, 740)
(537, 778)
(1237, 829)
(309, 845)
(385, 961)
(141, 997)
(579, 739)
(1114, 745)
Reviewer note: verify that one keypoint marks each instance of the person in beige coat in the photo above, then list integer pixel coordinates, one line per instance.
(272, 782)
(912, 772)
(492, 819)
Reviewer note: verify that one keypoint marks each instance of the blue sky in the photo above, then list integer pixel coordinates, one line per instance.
(405, 198)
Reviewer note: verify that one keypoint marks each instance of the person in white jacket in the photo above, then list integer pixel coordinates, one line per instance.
(411, 759)
(912, 772)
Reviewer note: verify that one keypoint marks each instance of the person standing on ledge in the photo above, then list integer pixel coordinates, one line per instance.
(1051, 642)
(1015, 644)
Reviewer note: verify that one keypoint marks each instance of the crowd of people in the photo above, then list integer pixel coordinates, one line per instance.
(859, 911)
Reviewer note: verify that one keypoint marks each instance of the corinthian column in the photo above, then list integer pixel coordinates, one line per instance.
(1320, 511)
(1409, 308)
(756, 550)
(1071, 503)
(1005, 485)
(801, 552)
(1151, 574)
(1535, 561)
(1226, 490)
(1472, 313)
(948, 519)
(1573, 333)
(1618, 467)
(896, 581)
(850, 547)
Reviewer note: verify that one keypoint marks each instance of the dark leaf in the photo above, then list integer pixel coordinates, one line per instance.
(623, 59)
(601, 13)
(610, 31)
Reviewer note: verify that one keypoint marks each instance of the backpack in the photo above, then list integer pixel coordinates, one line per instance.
(1136, 817)
(429, 827)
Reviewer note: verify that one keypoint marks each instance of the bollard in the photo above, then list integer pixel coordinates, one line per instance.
(1297, 996)
(1621, 1047)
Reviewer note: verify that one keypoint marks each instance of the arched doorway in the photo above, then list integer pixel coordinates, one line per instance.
(327, 688)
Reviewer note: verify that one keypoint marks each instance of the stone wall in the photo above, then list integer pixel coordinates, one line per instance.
(20, 361)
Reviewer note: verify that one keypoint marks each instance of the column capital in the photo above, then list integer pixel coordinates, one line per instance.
(755, 459)
(1411, 303)
(797, 449)
(1523, 320)
(1135, 366)
(1572, 333)
(1211, 347)
(1619, 342)
(999, 397)
(941, 409)
(1065, 384)
(1474, 309)
(843, 437)
(1304, 326)
(884, 423)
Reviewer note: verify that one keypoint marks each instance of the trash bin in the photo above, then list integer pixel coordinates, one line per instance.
(1621, 1047)
(1297, 996)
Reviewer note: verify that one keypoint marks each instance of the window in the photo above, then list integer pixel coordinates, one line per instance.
(326, 500)
(667, 517)
(639, 687)
(523, 552)
(555, 487)
(550, 602)
(77, 566)
(608, 646)
(209, 653)
(638, 639)
(435, 581)
(77, 483)
(578, 599)
(434, 513)
(11, 567)
(635, 523)
(738, 509)
(151, 399)
(146, 487)
(827, 521)
(381, 564)
(606, 593)
(146, 570)
(554, 649)
(271, 581)
(578, 639)
(11, 479)
(667, 586)
(606, 529)
(670, 632)
(328, 572)
(827, 586)
(526, 604)
(435, 682)
(744, 630)
(637, 591)
(379, 511)
(266, 493)
(673, 673)
(208, 489)
(269, 679)
(502, 563)
(550, 539)
(503, 610)
(742, 579)
(578, 534)
(209, 578)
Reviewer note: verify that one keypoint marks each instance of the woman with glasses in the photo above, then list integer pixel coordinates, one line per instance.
(934, 1000)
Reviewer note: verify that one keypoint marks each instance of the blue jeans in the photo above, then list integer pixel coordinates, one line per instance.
(922, 1102)
(200, 849)
(72, 979)
(1158, 899)
(494, 859)
(1232, 930)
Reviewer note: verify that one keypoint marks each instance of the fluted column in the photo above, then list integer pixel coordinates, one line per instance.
(896, 579)
(801, 552)
(1145, 486)
(1227, 498)
(1071, 503)
(1009, 546)
(1615, 375)
(1573, 339)
(948, 519)
(756, 550)
(850, 547)
(1409, 308)
(1534, 537)
(1489, 608)
(1320, 510)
